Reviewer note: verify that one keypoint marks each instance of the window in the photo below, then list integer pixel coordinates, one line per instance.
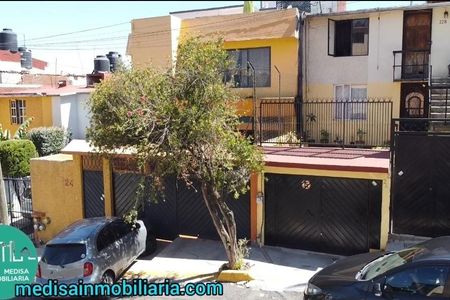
(243, 75)
(105, 238)
(426, 281)
(120, 229)
(348, 37)
(351, 102)
(17, 109)
(63, 254)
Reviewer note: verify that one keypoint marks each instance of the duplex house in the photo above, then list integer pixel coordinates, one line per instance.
(398, 54)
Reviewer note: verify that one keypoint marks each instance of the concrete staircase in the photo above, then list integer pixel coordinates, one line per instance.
(440, 98)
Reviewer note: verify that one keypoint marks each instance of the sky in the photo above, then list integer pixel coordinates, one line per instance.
(74, 53)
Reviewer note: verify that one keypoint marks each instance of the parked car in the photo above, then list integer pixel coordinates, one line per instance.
(419, 272)
(95, 250)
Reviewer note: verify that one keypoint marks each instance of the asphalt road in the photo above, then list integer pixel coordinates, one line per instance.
(234, 291)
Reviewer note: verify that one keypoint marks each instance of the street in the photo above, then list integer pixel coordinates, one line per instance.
(235, 291)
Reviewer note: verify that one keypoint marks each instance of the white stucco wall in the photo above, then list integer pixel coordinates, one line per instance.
(71, 111)
(440, 46)
(385, 36)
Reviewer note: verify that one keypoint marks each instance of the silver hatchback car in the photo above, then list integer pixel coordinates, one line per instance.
(95, 250)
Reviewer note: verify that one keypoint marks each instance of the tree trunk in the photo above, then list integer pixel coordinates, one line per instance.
(223, 219)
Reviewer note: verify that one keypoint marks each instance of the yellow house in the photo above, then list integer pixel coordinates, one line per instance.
(267, 39)
(48, 106)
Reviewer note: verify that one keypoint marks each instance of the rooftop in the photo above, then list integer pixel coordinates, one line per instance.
(383, 9)
(325, 158)
(43, 90)
(6, 55)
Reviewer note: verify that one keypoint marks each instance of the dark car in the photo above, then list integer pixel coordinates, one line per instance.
(419, 272)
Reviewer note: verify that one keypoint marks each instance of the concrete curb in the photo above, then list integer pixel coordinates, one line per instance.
(234, 276)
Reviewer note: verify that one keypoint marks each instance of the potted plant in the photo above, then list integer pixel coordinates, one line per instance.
(324, 136)
(310, 118)
(360, 133)
(338, 140)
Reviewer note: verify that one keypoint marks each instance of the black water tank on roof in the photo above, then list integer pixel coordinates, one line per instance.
(8, 40)
(101, 64)
(26, 60)
(114, 59)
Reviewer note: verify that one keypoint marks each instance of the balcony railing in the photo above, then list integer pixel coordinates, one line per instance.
(411, 65)
(326, 122)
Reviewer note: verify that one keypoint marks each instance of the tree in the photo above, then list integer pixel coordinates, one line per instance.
(248, 7)
(182, 122)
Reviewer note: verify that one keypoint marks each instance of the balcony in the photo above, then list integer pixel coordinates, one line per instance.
(411, 65)
(362, 123)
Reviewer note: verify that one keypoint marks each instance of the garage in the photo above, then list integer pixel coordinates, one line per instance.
(181, 211)
(325, 214)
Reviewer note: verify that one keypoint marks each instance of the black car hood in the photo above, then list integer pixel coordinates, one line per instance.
(344, 270)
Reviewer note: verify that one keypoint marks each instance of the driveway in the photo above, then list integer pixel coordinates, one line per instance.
(273, 268)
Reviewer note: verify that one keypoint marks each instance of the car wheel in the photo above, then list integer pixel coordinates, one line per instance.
(108, 278)
(150, 244)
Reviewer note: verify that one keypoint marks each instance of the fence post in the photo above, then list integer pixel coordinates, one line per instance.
(344, 120)
(4, 219)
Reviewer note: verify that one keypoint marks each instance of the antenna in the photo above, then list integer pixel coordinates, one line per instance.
(24, 44)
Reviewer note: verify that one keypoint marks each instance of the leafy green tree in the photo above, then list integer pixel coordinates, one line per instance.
(182, 122)
(248, 7)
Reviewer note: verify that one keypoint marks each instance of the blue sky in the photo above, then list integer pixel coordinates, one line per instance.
(75, 52)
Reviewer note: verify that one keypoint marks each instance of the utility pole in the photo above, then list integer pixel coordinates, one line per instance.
(4, 219)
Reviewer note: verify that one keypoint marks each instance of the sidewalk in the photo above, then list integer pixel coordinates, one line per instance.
(190, 260)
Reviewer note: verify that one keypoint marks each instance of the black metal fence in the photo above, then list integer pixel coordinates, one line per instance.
(20, 208)
(277, 122)
(362, 123)
(325, 122)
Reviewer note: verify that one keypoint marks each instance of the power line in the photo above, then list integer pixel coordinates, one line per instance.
(153, 33)
(79, 31)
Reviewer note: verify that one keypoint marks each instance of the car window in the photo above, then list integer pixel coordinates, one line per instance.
(120, 229)
(424, 281)
(62, 254)
(106, 237)
(389, 261)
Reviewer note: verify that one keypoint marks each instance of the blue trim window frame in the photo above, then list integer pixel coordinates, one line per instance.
(242, 76)
(350, 102)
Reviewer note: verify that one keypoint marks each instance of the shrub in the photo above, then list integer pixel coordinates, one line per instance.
(15, 157)
(49, 140)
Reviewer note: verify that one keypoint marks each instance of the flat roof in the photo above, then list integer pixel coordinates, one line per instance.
(205, 9)
(383, 9)
(44, 90)
(327, 158)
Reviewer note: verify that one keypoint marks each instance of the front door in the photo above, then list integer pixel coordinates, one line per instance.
(416, 44)
(414, 104)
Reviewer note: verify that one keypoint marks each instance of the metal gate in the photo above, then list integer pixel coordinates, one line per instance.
(93, 190)
(333, 215)
(20, 208)
(421, 189)
(180, 211)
